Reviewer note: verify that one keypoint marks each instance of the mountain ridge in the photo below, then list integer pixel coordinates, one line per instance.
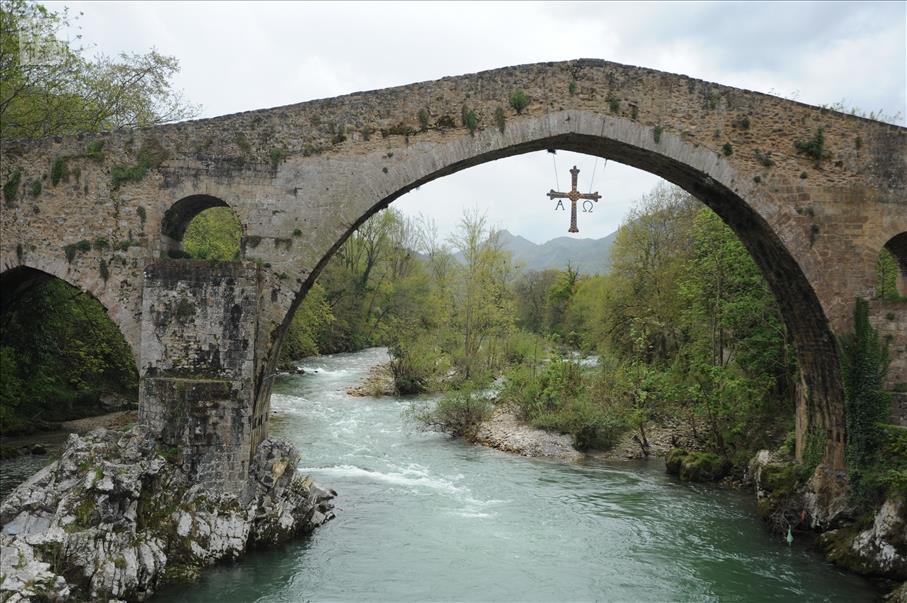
(588, 256)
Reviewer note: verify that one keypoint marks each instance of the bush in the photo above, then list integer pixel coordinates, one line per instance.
(558, 399)
(519, 100)
(458, 413)
(414, 365)
(814, 147)
(592, 426)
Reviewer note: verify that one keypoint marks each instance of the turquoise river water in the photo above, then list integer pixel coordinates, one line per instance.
(423, 517)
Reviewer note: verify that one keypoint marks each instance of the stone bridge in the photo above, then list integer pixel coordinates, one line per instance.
(813, 194)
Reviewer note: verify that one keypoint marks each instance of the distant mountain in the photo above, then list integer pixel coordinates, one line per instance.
(589, 256)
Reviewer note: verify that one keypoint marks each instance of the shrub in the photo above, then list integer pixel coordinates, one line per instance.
(727, 149)
(35, 188)
(571, 88)
(814, 147)
(423, 119)
(151, 156)
(656, 133)
(58, 171)
(95, 150)
(742, 122)
(413, 366)
(11, 188)
(458, 413)
(764, 159)
(519, 100)
(470, 119)
(277, 156)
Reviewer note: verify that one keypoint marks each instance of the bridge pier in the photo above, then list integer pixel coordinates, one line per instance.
(197, 363)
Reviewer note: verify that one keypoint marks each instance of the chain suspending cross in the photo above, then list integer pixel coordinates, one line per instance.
(574, 195)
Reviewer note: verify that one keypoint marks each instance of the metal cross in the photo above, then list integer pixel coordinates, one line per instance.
(574, 196)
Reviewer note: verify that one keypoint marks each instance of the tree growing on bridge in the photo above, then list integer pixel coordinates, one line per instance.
(50, 87)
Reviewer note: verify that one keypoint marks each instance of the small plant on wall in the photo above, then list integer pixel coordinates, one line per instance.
(519, 100)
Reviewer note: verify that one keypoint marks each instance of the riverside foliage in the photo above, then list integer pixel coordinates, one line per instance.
(684, 327)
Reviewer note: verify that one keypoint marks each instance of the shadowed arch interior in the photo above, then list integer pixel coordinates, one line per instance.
(177, 218)
(67, 357)
(805, 320)
(897, 247)
(16, 281)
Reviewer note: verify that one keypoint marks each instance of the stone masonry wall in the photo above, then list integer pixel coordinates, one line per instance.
(890, 318)
(198, 356)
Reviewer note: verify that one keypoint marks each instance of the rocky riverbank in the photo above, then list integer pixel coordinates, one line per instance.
(872, 545)
(504, 431)
(115, 518)
(378, 382)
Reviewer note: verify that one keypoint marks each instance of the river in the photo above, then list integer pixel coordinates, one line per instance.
(423, 517)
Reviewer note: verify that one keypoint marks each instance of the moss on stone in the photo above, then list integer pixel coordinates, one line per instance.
(781, 480)
(837, 546)
(696, 466)
(674, 460)
(703, 467)
(11, 188)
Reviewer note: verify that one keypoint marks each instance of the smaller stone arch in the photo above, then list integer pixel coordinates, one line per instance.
(177, 219)
(18, 281)
(897, 247)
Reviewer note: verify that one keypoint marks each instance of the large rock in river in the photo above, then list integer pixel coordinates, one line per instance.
(114, 519)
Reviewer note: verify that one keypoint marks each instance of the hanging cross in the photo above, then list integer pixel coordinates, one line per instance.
(574, 196)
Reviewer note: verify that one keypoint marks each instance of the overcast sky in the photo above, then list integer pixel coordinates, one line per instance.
(249, 55)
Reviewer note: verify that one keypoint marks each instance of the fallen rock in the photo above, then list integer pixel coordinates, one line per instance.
(113, 519)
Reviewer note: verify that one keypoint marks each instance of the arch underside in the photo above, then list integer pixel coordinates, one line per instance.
(800, 307)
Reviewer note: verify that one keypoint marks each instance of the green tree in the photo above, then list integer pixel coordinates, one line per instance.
(50, 87)
(650, 252)
(484, 308)
(214, 234)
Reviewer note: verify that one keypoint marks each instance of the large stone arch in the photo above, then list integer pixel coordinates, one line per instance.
(745, 206)
(301, 177)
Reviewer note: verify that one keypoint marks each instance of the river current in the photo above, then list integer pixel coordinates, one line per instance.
(423, 517)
